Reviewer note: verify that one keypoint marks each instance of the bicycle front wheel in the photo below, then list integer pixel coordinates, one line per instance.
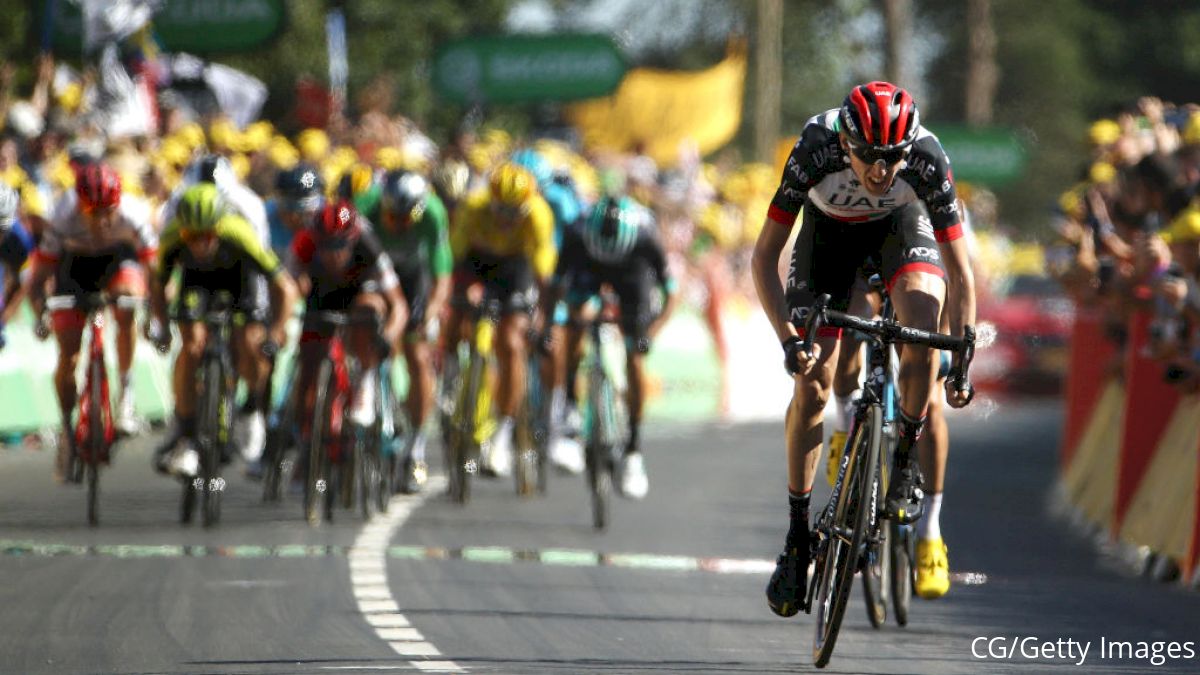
(96, 438)
(900, 546)
(877, 560)
(845, 533)
(600, 448)
(316, 483)
(210, 433)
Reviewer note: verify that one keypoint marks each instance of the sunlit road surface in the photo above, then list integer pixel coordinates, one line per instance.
(509, 585)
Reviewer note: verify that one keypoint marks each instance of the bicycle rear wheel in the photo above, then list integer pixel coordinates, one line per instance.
(317, 491)
(96, 439)
(210, 433)
(844, 535)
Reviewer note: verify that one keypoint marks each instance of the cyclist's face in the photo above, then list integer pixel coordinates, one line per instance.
(336, 259)
(505, 216)
(98, 218)
(877, 176)
(202, 246)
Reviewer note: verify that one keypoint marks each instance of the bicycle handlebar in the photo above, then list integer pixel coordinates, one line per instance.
(813, 317)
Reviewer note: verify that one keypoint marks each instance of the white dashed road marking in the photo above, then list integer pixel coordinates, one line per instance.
(368, 578)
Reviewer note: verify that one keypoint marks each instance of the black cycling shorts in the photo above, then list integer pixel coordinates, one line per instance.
(80, 275)
(251, 298)
(508, 278)
(635, 291)
(839, 253)
(416, 286)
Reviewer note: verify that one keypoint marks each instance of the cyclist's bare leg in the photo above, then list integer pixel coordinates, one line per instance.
(192, 335)
(805, 417)
(129, 283)
(363, 338)
(917, 297)
(511, 358)
(68, 332)
(635, 372)
(253, 366)
(934, 445)
(420, 392)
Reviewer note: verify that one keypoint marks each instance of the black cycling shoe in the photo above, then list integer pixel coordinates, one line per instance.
(905, 501)
(789, 581)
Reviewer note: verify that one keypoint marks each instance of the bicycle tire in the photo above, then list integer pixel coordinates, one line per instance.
(187, 505)
(850, 516)
(876, 563)
(384, 470)
(96, 438)
(901, 575)
(600, 449)
(209, 432)
(316, 480)
(466, 461)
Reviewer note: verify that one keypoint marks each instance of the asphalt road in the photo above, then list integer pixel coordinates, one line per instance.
(507, 585)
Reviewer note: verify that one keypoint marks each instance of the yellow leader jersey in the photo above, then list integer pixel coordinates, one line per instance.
(532, 238)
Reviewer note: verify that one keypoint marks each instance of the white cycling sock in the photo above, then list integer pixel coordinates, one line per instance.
(845, 408)
(418, 447)
(930, 526)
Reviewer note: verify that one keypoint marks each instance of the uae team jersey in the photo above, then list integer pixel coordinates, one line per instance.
(818, 175)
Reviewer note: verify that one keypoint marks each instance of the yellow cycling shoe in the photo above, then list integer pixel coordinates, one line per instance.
(933, 569)
(837, 443)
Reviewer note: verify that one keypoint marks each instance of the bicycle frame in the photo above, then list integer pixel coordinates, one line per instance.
(214, 421)
(847, 528)
(471, 422)
(603, 422)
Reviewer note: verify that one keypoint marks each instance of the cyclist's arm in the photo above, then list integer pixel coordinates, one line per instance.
(658, 263)
(437, 238)
(284, 295)
(397, 307)
(170, 246)
(764, 267)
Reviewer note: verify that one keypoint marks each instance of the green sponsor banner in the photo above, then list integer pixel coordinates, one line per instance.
(199, 26)
(990, 156)
(521, 68)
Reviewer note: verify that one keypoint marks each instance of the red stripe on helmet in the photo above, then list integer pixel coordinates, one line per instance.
(865, 120)
(902, 118)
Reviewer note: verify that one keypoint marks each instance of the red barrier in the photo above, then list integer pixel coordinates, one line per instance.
(1189, 565)
(1149, 404)
(1091, 352)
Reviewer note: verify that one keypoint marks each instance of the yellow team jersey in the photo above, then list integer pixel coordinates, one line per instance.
(532, 238)
(238, 242)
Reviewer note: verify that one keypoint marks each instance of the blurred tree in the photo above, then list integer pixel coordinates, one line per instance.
(384, 38)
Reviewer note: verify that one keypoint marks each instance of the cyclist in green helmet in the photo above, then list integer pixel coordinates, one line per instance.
(214, 249)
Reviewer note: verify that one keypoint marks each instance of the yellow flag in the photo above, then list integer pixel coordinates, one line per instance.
(664, 109)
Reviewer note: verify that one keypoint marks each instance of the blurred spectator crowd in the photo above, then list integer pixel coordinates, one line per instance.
(1129, 231)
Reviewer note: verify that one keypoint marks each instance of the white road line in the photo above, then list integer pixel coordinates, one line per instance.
(368, 579)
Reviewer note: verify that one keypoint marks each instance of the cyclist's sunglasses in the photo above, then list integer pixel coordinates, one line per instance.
(191, 236)
(93, 210)
(507, 211)
(871, 155)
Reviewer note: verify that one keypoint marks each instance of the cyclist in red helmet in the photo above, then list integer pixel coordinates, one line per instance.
(97, 240)
(341, 266)
(878, 197)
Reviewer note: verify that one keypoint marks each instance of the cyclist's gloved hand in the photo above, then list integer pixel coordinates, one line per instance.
(642, 345)
(158, 335)
(959, 390)
(269, 348)
(545, 342)
(41, 327)
(795, 359)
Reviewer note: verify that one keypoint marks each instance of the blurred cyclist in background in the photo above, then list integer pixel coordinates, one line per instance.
(503, 238)
(414, 230)
(98, 240)
(216, 250)
(299, 195)
(616, 248)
